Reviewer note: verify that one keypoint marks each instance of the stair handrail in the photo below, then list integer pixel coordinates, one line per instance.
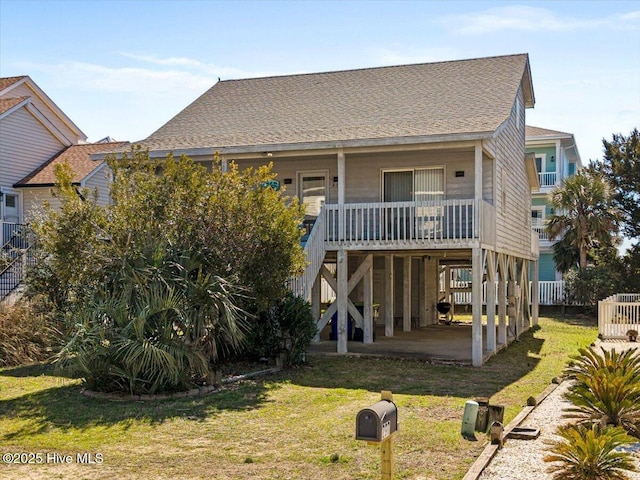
(315, 251)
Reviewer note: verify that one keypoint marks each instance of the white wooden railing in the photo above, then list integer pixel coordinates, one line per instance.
(535, 244)
(547, 179)
(406, 223)
(315, 252)
(618, 314)
(541, 231)
(549, 293)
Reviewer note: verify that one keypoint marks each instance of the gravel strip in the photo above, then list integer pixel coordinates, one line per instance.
(523, 459)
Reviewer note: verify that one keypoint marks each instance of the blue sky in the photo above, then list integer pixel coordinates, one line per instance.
(124, 68)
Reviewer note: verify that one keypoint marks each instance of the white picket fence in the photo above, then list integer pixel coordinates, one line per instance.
(618, 314)
(549, 293)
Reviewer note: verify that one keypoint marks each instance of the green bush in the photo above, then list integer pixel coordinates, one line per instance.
(589, 453)
(288, 327)
(156, 285)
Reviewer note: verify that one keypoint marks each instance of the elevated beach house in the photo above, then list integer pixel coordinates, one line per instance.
(407, 172)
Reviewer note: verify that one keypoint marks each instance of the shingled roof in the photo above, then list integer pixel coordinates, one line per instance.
(77, 156)
(421, 100)
(532, 131)
(7, 104)
(6, 82)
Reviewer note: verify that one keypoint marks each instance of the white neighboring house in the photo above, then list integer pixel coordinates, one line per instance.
(35, 135)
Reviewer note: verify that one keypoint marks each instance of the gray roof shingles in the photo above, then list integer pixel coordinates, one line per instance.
(432, 99)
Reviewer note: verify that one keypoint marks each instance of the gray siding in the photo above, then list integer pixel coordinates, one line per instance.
(26, 144)
(34, 198)
(100, 181)
(24, 91)
(513, 194)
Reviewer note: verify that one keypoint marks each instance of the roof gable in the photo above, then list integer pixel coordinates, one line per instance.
(77, 156)
(532, 132)
(9, 88)
(7, 104)
(420, 100)
(7, 82)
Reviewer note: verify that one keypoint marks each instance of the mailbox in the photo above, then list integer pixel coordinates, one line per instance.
(377, 422)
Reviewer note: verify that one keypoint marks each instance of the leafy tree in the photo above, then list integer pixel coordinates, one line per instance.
(621, 167)
(586, 217)
(160, 281)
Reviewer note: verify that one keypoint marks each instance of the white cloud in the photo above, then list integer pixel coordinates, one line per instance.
(399, 55)
(532, 19)
(193, 65)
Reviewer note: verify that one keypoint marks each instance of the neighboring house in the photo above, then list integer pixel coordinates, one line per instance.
(406, 171)
(87, 173)
(35, 135)
(32, 130)
(557, 157)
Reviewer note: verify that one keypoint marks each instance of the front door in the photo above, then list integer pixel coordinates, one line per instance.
(11, 210)
(312, 192)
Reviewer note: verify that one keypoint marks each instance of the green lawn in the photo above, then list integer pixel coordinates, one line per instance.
(284, 426)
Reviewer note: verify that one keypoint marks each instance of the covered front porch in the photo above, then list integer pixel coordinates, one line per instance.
(394, 294)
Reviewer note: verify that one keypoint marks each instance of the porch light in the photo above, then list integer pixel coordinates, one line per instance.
(553, 159)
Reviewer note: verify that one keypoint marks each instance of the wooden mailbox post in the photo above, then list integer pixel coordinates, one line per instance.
(378, 425)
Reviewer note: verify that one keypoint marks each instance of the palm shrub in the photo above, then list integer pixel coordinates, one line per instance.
(157, 327)
(589, 361)
(606, 389)
(589, 453)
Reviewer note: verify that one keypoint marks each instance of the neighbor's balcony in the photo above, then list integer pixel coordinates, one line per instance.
(547, 179)
(430, 224)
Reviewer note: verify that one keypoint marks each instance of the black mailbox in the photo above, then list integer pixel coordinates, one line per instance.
(377, 422)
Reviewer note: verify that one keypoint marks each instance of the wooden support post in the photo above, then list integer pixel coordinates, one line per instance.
(386, 447)
(342, 299)
(477, 266)
(386, 458)
(535, 292)
(502, 300)
(422, 292)
(388, 295)
(316, 300)
(367, 293)
(341, 177)
(491, 302)
(406, 295)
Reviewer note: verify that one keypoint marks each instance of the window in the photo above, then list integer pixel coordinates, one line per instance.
(420, 185)
(537, 217)
(312, 192)
(11, 201)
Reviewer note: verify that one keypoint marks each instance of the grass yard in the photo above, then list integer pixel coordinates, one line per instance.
(284, 426)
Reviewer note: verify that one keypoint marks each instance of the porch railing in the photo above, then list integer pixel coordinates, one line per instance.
(547, 179)
(541, 231)
(315, 252)
(15, 256)
(549, 293)
(618, 314)
(410, 223)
